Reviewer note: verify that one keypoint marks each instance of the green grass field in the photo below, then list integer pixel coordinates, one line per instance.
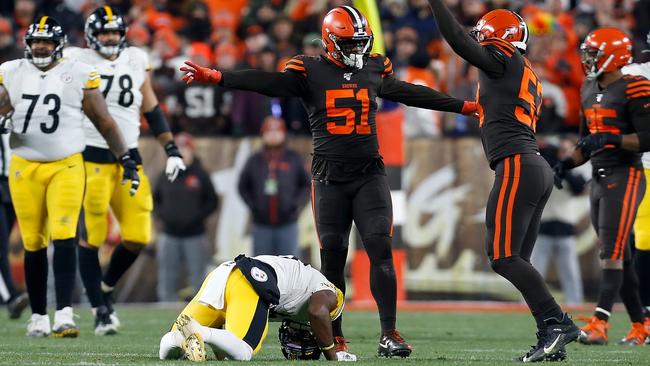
(437, 339)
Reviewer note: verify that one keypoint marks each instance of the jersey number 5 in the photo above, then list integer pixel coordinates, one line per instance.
(54, 111)
(363, 128)
(530, 98)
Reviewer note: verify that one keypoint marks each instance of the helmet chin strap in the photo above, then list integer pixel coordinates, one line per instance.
(593, 76)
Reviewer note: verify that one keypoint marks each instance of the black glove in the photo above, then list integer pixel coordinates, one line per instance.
(560, 169)
(130, 172)
(592, 143)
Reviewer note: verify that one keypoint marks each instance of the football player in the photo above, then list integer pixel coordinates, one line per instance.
(126, 85)
(615, 130)
(231, 310)
(47, 95)
(642, 222)
(339, 91)
(509, 98)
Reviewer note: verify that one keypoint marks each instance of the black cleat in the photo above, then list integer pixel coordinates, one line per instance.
(108, 300)
(391, 344)
(536, 352)
(16, 306)
(560, 332)
(558, 356)
(103, 323)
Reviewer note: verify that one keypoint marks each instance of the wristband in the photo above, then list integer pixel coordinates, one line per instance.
(327, 348)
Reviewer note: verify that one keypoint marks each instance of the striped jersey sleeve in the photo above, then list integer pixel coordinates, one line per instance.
(296, 65)
(638, 88)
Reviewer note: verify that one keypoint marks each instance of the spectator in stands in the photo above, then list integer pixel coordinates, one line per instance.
(274, 185)
(283, 37)
(182, 207)
(557, 230)
(198, 27)
(9, 50)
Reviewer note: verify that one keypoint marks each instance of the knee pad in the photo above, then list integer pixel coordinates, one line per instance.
(333, 242)
(378, 226)
(503, 265)
(34, 242)
(378, 248)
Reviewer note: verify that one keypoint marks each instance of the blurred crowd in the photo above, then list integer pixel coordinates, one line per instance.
(264, 34)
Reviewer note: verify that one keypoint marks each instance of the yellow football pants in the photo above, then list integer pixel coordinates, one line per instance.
(239, 315)
(47, 197)
(642, 222)
(104, 190)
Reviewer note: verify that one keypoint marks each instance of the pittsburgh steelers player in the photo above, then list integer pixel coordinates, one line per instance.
(231, 310)
(43, 98)
(126, 85)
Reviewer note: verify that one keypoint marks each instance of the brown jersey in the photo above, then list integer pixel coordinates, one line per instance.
(508, 104)
(617, 109)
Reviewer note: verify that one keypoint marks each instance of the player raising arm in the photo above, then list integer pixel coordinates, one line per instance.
(339, 91)
(47, 95)
(509, 98)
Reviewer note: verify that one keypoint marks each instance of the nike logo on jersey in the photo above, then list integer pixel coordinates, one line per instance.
(550, 348)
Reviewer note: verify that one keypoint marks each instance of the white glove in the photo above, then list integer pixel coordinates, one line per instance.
(345, 356)
(174, 166)
(6, 123)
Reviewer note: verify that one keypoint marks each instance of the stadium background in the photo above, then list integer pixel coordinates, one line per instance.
(441, 174)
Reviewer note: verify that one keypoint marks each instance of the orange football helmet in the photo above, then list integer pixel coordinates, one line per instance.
(346, 37)
(605, 50)
(503, 24)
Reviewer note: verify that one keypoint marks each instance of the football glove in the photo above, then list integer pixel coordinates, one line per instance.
(174, 161)
(199, 73)
(130, 172)
(560, 169)
(592, 143)
(6, 123)
(469, 109)
(345, 356)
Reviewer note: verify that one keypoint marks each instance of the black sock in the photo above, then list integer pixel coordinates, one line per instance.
(383, 282)
(642, 266)
(91, 275)
(610, 285)
(532, 287)
(5, 271)
(121, 260)
(64, 263)
(333, 268)
(36, 280)
(630, 293)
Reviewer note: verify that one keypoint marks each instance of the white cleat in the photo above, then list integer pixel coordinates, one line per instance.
(115, 320)
(64, 325)
(38, 326)
(192, 345)
(103, 324)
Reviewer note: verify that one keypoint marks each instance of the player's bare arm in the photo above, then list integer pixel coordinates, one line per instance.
(320, 305)
(461, 42)
(5, 102)
(149, 103)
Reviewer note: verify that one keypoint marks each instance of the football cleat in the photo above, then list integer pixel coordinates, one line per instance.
(594, 332)
(558, 356)
(103, 323)
(637, 336)
(340, 344)
(560, 332)
(64, 325)
(38, 326)
(392, 344)
(17, 305)
(646, 323)
(192, 344)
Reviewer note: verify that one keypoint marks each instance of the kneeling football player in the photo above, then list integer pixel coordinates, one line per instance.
(231, 310)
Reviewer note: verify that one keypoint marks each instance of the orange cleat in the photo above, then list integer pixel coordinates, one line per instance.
(595, 332)
(636, 336)
(340, 344)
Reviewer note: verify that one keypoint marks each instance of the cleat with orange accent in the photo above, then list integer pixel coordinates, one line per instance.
(646, 323)
(594, 333)
(340, 344)
(637, 336)
(392, 344)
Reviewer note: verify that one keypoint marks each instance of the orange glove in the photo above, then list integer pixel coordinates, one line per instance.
(199, 73)
(469, 109)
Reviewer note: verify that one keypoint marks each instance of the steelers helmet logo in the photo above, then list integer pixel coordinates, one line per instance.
(259, 275)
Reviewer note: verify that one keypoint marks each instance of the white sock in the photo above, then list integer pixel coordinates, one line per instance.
(235, 348)
(170, 346)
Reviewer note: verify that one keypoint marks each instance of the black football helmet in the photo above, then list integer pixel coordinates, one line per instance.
(104, 19)
(46, 28)
(297, 342)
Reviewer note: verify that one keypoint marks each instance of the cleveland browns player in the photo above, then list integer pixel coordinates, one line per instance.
(615, 130)
(339, 91)
(509, 99)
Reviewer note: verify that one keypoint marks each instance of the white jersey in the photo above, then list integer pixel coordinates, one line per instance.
(296, 281)
(643, 70)
(121, 82)
(47, 119)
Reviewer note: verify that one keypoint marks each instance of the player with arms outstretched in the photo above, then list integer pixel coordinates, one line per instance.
(509, 99)
(47, 95)
(616, 130)
(231, 311)
(126, 85)
(339, 91)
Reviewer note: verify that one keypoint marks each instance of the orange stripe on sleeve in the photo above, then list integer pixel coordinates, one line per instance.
(497, 216)
(622, 220)
(637, 89)
(631, 211)
(639, 95)
(297, 68)
(386, 61)
(638, 83)
(511, 201)
(297, 60)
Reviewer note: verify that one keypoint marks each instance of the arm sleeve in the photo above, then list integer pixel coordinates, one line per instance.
(461, 42)
(418, 96)
(639, 111)
(272, 84)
